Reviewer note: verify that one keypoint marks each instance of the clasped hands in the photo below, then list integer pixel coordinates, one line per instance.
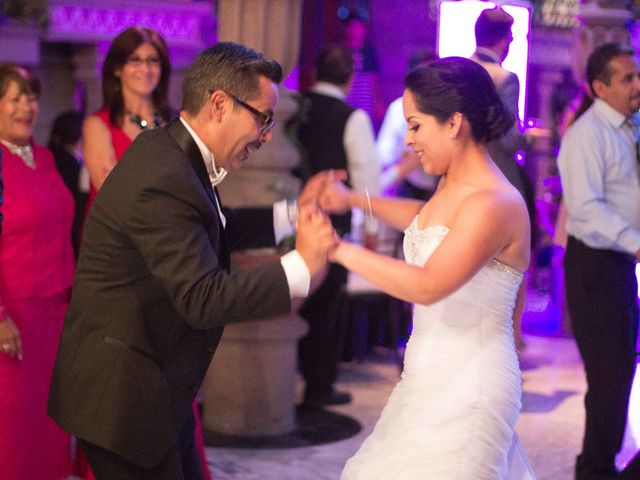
(316, 239)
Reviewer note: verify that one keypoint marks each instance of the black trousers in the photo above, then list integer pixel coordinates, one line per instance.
(601, 290)
(180, 463)
(321, 349)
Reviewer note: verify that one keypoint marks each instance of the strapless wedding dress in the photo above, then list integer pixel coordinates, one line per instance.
(453, 413)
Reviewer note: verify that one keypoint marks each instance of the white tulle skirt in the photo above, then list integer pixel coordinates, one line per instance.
(449, 423)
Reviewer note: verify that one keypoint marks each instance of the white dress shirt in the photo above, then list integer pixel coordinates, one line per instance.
(489, 53)
(599, 173)
(295, 269)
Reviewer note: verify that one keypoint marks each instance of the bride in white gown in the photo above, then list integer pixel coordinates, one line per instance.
(453, 414)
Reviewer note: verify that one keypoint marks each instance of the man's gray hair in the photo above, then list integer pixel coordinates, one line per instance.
(226, 66)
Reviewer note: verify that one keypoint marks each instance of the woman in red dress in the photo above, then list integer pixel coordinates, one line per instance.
(36, 272)
(135, 82)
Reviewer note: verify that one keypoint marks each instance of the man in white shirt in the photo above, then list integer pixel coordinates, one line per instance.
(598, 163)
(333, 135)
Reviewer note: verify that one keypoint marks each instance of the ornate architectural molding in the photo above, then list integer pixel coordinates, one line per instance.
(179, 22)
(557, 13)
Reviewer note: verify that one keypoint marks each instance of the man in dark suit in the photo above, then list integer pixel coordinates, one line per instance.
(154, 288)
(493, 39)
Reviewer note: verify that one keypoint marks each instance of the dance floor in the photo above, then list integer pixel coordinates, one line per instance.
(550, 426)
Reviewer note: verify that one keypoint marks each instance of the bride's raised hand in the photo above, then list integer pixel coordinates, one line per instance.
(315, 185)
(334, 198)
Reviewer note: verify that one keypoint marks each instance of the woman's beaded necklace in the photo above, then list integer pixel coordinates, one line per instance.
(25, 153)
(142, 123)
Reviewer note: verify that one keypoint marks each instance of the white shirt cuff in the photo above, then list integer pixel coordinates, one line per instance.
(281, 224)
(298, 276)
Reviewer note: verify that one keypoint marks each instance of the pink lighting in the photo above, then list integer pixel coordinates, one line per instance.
(456, 36)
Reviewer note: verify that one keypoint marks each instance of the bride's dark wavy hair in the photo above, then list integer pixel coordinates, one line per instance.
(459, 85)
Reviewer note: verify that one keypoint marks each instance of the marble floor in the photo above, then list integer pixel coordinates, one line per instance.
(550, 426)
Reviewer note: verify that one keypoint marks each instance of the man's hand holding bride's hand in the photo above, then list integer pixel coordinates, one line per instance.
(315, 237)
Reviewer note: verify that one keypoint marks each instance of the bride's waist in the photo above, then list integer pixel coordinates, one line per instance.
(439, 353)
(461, 325)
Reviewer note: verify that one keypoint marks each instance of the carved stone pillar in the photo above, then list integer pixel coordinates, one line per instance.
(268, 26)
(550, 59)
(266, 177)
(88, 61)
(250, 389)
(600, 22)
(550, 54)
(19, 44)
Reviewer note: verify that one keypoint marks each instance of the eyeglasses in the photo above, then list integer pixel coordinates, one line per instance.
(267, 120)
(137, 61)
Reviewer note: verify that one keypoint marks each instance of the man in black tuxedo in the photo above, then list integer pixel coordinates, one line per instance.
(154, 289)
(493, 39)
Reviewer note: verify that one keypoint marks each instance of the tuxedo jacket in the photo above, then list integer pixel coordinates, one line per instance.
(503, 149)
(152, 293)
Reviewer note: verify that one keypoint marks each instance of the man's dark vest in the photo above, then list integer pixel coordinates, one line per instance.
(321, 135)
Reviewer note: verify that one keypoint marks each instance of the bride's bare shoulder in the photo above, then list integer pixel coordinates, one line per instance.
(496, 203)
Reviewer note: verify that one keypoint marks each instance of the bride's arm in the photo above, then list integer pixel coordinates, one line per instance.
(481, 229)
(395, 212)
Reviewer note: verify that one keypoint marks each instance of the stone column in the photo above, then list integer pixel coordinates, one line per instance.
(550, 59)
(19, 44)
(268, 26)
(601, 21)
(250, 387)
(88, 61)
